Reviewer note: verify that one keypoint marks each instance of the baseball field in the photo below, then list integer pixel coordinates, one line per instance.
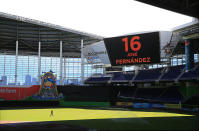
(105, 119)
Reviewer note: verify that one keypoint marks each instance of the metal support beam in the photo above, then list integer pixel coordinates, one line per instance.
(61, 62)
(51, 63)
(4, 68)
(104, 70)
(189, 56)
(192, 36)
(177, 59)
(28, 77)
(198, 58)
(39, 62)
(64, 70)
(28, 66)
(16, 62)
(136, 68)
(82, 62)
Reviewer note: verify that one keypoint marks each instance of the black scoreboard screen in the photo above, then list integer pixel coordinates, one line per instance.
(134, 49)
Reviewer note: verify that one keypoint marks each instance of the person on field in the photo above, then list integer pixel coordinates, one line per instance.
(51, 113)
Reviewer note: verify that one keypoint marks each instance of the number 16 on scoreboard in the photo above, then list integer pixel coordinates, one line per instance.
(134, 45)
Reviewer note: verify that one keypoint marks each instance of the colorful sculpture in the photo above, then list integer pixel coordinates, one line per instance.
(48, 88)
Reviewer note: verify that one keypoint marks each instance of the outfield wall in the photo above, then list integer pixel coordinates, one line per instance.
(88, 96)
(28, 103)
(18, 92)
(190, 90)
(84, 104)
(85, 93)
(148, 105)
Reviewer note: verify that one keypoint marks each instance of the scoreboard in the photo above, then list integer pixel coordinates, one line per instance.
(134, 49)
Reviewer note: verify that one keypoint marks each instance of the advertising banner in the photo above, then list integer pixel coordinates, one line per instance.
(142, 105)
(17, 93)
(173, 106)
(96, 53)
(125, 104)
(158, 106)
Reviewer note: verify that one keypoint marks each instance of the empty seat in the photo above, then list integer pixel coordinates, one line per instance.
(191, 75)
(96, 80)
(122, 77)
(172, 73)
(148, 75)
(172, 94)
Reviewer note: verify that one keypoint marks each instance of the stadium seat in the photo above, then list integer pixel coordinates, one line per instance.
(172, 74)
(171, 95)
(191, 75)
(148, 93)
(148, 75)
(160, 95)
(129, 93)
(119, 77)
(93, 80)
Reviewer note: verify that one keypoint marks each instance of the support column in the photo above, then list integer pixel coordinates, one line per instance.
(4, 68)
(28, 66)
(104, 70)
(61, 62)
(28, 77)
(169, 62)
(189, 56)
(198, 58)
(172, 61)
(51, 63)
(64, 70)
(181, 59)
(39, 62)
(4, 77)
(82, 62)
(177, 59)
(16, 62)
(136, 69)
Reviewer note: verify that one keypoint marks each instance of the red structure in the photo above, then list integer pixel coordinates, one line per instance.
(18, 93)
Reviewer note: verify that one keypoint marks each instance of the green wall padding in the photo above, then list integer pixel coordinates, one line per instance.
(190, 90)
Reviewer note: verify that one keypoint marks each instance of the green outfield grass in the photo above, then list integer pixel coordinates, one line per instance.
(107, 119)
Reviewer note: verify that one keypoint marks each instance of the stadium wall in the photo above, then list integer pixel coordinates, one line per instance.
(83, 104)
(18, 93)
(85, 93)
(189, 89)
(148, 105)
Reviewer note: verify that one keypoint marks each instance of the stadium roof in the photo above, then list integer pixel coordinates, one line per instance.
(186, 7)
(188, 31)
(29, 32)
